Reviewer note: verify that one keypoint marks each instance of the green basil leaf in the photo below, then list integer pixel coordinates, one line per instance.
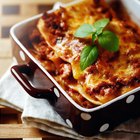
(84, 31)
(99, 31)
(94, 37)
(109, 41)
(100, 25)
(89, 55)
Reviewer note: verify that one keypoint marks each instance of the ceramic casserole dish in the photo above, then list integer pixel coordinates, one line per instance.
(39, 83)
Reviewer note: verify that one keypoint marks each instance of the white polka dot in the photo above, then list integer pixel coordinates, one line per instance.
(22, 55)
(85, 116)
(130, 99)
(69, 123)
(104, 127)
(56, 92)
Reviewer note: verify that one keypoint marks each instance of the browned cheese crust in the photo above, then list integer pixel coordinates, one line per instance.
(56, 48)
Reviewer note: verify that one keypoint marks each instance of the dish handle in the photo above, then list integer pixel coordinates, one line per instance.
(22, 73)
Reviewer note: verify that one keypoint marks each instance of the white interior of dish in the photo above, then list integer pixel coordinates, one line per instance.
(133, 8)
(26, 24)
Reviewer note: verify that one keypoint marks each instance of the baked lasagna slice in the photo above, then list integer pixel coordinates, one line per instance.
(113, 74)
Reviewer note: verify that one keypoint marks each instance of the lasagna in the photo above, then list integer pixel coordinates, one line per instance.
(56, 48)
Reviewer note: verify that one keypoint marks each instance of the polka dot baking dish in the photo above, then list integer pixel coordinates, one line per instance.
(39, 82)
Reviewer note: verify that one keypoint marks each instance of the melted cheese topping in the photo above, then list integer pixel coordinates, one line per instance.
(113, 74)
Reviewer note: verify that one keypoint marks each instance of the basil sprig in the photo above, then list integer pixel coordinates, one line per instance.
(106, 39)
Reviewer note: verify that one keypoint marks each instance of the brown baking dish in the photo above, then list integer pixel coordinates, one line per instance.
(38, 83)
